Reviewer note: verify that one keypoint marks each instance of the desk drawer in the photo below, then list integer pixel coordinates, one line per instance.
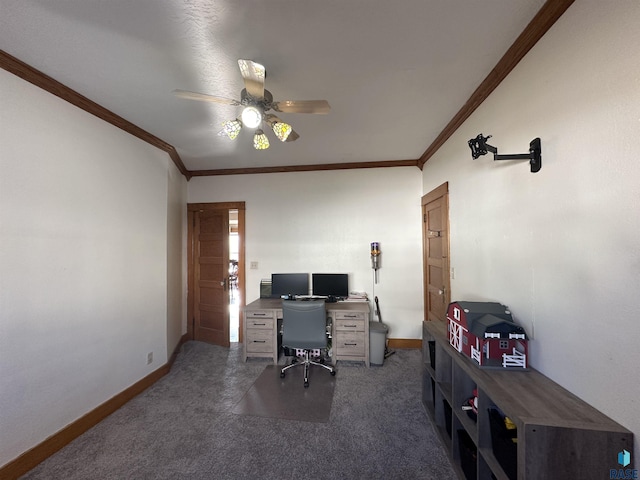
(349, 315)
(259, 323)
(259, 341)
(350, 344)
(349, 325)
(259, 314)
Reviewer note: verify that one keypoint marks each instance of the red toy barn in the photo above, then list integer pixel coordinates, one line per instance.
(486, 333)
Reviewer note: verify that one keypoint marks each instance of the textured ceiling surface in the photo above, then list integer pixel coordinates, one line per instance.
(394, 72)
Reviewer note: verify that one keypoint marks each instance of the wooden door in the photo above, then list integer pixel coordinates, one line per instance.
(435, 240)
(208, 296)
(211, 275)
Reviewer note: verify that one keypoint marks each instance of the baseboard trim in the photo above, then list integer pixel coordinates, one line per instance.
(405, 343)
(31, 458)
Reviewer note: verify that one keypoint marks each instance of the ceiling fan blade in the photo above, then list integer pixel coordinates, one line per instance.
(302, 106)
(293, 136)
(253, 74)
(204, 97)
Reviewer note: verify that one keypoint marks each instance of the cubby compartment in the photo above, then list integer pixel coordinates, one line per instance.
(468, 455)
(429, 353)
(428, 392)
(551, 424)
(464, 388)
(488, 464)
(448, 417)
(443, 417)
(504, 441)
(432, 353)
(443, 373)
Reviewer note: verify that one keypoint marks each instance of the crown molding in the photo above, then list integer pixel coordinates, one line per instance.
(305, 168)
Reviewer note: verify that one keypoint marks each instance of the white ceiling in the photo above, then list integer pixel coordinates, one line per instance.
(394, 72)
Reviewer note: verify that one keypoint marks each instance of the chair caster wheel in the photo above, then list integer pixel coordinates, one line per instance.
(333, 373)
(281, 374)
(306, 384)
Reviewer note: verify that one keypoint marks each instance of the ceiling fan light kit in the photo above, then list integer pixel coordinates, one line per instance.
(281, 129)
(260, 140)
(251, 117)
(256, 100)
(231, 128)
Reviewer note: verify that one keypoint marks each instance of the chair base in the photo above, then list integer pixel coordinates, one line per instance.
(307, 362)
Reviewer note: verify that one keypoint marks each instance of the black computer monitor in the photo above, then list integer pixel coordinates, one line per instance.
(330, 284)
(289, 284)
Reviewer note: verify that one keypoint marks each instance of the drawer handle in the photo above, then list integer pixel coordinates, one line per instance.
(351, 316)
(351, 344)
(256, 314)
(259, 341)
(259, 323)
(350, 326)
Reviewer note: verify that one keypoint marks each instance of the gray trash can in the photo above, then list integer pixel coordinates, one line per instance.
(377, 342)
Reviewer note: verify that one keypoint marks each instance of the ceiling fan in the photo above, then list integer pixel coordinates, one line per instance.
(256, 101)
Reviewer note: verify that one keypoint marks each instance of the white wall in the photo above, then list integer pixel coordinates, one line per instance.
(83, 262)
(325, 222)
(560, 247)
(176, 258)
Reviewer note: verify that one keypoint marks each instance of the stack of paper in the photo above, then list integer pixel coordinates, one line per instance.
(357, 297)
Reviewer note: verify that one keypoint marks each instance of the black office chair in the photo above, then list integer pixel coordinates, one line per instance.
(304, 326)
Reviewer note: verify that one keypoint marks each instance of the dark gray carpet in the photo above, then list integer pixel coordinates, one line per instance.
(183, 428)
(286, 398)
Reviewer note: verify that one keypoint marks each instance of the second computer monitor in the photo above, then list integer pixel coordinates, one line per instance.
(330, 284)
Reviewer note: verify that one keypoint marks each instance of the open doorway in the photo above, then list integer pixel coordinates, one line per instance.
(234, 291)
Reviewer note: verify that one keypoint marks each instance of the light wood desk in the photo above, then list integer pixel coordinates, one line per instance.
(349, 329)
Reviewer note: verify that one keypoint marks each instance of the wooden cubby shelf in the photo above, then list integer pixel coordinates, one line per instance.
(552, 434)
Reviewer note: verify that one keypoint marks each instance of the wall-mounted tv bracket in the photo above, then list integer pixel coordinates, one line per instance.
(479, 147)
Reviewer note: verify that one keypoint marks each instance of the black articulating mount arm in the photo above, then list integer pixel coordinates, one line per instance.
(479, 147)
